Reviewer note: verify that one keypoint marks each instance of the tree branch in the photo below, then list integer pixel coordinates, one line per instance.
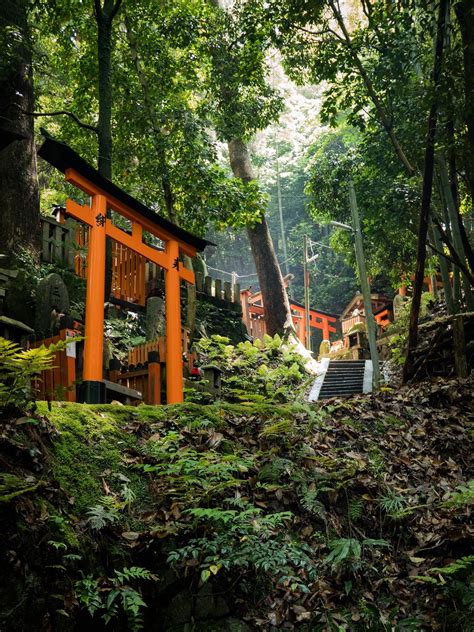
(91, 128)
(381, 111)
(455, 258)
(115, 9)
(98, 10)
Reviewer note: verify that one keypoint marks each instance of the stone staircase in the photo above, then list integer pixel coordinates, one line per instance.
(342, 378)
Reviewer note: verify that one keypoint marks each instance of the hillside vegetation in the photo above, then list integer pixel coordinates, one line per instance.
(349, 515)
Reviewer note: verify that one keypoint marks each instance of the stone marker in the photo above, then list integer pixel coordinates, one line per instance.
(52, 300)
(398, 303)
(155, 318)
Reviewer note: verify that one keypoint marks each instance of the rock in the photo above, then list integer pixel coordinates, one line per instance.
(398, 304)
(52, 299)
(155, 317)
(324, 348)
(208, 605)
(179, 611)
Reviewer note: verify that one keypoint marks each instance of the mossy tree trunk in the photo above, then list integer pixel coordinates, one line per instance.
(104, 15)
(19, 197)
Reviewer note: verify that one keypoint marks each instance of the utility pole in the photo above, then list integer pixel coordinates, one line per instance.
(307, 260)
(364, 282)
(306, 292)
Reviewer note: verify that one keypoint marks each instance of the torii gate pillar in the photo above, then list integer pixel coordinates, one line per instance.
(174, 352)
(93, 388)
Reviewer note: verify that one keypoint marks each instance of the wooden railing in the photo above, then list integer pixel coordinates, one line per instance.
(139, 354)
(128, 274)
(348, 323)
(146, 378)
(216, 288)
(57, 383)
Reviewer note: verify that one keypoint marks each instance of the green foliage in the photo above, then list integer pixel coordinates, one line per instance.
(17, 369)
(164, 150)
(392, 503)
(90, 445)
(355, 508)
(113, 595)
(270, 371)
(104, 514)
(192, 475)
(462, 497)
(398, 330)
(122, 334)
(248, 540)
(347, 552)
(12, 486)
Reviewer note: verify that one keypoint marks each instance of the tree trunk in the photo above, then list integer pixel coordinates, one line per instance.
(443, 265)
(104, 18)
(277, 307)
(104, 52)
(426, 192)
(465, 15)
(19, 197)
(455, 221)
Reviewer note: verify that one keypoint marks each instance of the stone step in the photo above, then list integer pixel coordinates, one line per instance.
(348, 363)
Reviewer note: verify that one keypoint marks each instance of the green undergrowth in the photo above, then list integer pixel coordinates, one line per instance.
(350, 515)
(269, 371)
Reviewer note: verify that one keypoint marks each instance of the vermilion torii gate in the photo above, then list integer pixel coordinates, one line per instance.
(105, 195)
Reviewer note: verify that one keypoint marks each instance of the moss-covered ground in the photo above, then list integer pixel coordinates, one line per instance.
(247, 516)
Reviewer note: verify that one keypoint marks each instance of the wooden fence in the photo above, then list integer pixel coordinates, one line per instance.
(348, 323)
(218, 289)
(144, 370)
(57, 383)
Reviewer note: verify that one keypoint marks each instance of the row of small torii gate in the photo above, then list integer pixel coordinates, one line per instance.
(105, 196)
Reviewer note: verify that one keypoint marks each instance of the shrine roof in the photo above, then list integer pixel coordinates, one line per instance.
(358, 298)
(63, 157)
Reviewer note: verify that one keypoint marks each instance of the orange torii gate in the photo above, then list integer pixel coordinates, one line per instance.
(104, 196)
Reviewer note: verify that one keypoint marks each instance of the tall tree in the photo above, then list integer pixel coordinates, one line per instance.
(427, 188)
(104, 15)
(465, 15)
(19, 198)
(241, 89)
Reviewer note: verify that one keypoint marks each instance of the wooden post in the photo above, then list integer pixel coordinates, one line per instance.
(154, 381)
(199, 281)
(174, 362)
(307, 328)
(208, 286)
(93, 389)
(218, 289)
(364, 282)
(228, 291)
(443, 266)
(68, 371)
